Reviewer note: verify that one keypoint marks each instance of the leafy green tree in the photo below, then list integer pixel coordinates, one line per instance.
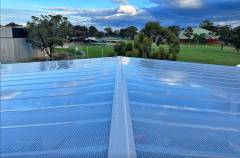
(13, 24)
(159, 34)
(235, 38)
(120, 48)
(100, 34)
(152, 30)
(122, 33)
(131, 31)
(174, 46)
(93, 31)
(47, 31)
(116, 33)
(189, 33)
(144, 44)
(225, 35)
(198, 39)
(80, 32)
(108, 31)
(208, 25)
(174, 29)
(203, 38)
(129, 46)
(133, 53)
(128, 32)
(161, 53)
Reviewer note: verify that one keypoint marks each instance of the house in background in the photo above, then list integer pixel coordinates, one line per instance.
(13, 45)
(210, 36)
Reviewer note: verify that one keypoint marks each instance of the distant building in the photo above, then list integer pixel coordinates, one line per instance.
(210, 37)
(113, 39)
(13, 45)
(105, 40)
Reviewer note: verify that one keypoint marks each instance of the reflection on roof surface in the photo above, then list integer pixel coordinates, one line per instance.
(119, 107)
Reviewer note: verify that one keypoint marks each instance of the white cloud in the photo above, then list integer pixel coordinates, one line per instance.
(185, 4)
(128, 10)
(189, 3)
(123, 11)
(233, 23)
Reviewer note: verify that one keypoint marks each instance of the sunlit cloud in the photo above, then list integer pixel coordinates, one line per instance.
(128, 10)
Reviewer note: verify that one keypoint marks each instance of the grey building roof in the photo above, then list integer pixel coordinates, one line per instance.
(119, 107)
(199, 31)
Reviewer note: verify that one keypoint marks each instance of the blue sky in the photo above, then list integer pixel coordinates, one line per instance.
(122, 13)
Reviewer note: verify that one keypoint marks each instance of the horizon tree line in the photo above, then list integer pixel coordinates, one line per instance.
(47, 31)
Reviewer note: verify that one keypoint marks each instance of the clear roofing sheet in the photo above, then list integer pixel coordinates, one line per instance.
(182, 110)
(56, 109)
(119, 107)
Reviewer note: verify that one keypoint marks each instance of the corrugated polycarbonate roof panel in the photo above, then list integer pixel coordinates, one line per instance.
(183, 110)
(85, 108)
(56, 109)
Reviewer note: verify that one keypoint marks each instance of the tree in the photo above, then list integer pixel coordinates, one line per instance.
(123, 33)
(199, 39)
(189, 33)
(144, 44)
(235, 40)
(133, 53)
(174, 29)
(116, 33)
(152, 30)
(131, 31)
(120, 48)
(108, 31)
(161, 53)
(202, 38)
(93, 31)
(225, 35)
(13, 24)
(100, 34)
(196, 39)
(174, 46)
(47, 31)
(159, 34)
(208, 25)
(80, 33)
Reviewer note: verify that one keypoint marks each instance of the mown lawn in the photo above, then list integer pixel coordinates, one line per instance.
(94, 51)
(210, 54)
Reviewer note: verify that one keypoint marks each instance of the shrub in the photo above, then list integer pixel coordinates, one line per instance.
(120, 48)
(133, 53)
(112, 54)
(129, 46)
(159, 54)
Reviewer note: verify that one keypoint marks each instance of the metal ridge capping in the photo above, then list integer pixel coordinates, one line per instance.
(121, 142)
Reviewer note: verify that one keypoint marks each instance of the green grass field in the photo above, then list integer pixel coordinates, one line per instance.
(94, 51)
(210, 54)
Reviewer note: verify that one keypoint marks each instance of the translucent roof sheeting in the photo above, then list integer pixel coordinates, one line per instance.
(119, 107)
(56, 109)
